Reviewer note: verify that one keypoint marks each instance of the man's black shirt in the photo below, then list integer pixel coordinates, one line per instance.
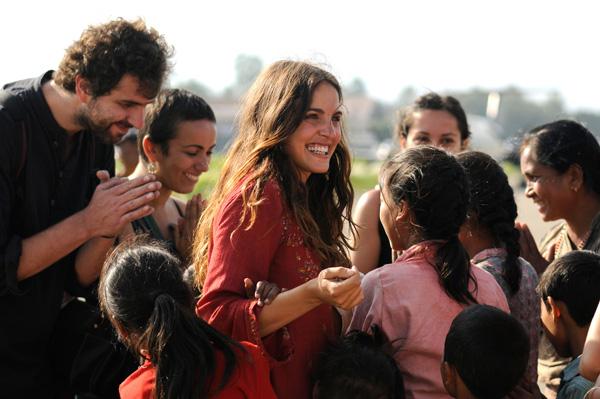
(49, 188)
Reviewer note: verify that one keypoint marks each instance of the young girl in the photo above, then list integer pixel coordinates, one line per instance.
(492, 242)
(430, 120)
(175, 144)
(424, 202)
(143, 294)
(277, 214)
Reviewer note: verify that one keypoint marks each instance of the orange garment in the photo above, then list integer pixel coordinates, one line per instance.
(249, 380)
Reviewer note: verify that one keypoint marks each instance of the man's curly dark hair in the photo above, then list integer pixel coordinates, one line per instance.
(106, 52)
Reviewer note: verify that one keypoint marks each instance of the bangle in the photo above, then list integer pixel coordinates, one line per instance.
(588, 394)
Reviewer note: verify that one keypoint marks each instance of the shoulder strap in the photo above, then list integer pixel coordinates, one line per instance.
(14, 105)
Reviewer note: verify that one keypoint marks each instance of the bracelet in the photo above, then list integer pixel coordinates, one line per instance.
(588, 394)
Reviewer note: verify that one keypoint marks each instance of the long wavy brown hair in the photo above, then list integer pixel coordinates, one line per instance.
(272, 111)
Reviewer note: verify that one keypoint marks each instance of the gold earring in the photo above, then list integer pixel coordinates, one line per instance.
(153, 167)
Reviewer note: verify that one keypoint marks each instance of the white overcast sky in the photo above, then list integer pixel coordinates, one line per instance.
(431, 45)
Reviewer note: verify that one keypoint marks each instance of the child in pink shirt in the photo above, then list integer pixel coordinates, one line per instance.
(425, 195)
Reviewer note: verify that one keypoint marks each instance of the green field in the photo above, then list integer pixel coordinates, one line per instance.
(363, 177)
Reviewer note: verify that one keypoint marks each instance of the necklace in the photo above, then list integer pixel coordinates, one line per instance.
(580, 244)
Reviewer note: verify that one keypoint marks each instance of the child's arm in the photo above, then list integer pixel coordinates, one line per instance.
(593, 393)
(589, 367)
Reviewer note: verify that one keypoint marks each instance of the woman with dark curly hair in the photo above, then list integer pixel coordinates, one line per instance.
(277, 214)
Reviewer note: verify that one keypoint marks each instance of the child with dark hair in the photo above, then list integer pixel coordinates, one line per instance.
(143, 294)
(358, 366)
(490, 237)
(569, 296)
(485, 354)
(425, 196)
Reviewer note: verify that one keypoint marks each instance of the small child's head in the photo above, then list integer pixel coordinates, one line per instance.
(569, 291)
(485, 354)
(140, 278)
(358, 366)
(430, 184)
(143, 293)
(425, 196)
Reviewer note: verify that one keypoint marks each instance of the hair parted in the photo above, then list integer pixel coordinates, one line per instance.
(167, 111)
(563, 143)
(574, 279)
(493, 208)
(105, 53)
(358, 365)
(489, 349)
(273, 109)
(436, 190)
(143, 293)
(434, 102)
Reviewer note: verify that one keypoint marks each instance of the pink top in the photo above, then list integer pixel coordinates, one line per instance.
(407, 301)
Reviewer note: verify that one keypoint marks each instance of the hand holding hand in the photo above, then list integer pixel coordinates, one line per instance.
(340, 287)
(264, 291)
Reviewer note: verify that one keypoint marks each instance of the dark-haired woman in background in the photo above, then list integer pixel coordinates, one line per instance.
(175, 144)
(492, 241)
(561, 165)
(143, 294)
(430, 120)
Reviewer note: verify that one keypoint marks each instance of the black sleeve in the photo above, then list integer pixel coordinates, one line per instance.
(104, 159)
(10, 243)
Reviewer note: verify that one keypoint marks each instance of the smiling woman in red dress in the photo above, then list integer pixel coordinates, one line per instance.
(277, 214)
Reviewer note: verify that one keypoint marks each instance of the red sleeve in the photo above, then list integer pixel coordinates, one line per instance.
(246, 253)
(140, 384)
(255, 379)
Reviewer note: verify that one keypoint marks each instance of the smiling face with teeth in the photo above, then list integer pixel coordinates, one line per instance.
(548, 189)
(313, 143)
(188, 156)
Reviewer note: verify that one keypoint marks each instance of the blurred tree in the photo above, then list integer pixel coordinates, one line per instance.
(247, 69)
(196, 87)
(590, 120)
(407, 96)
(382, 120)
(356, 87)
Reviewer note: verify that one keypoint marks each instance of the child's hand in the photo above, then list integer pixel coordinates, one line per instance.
(264, 291)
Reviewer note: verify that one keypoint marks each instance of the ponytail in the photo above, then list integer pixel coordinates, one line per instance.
(436, 189)
(494, 209)
(454, 270)
(511, 272)
(181, 347)
(142, 290)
